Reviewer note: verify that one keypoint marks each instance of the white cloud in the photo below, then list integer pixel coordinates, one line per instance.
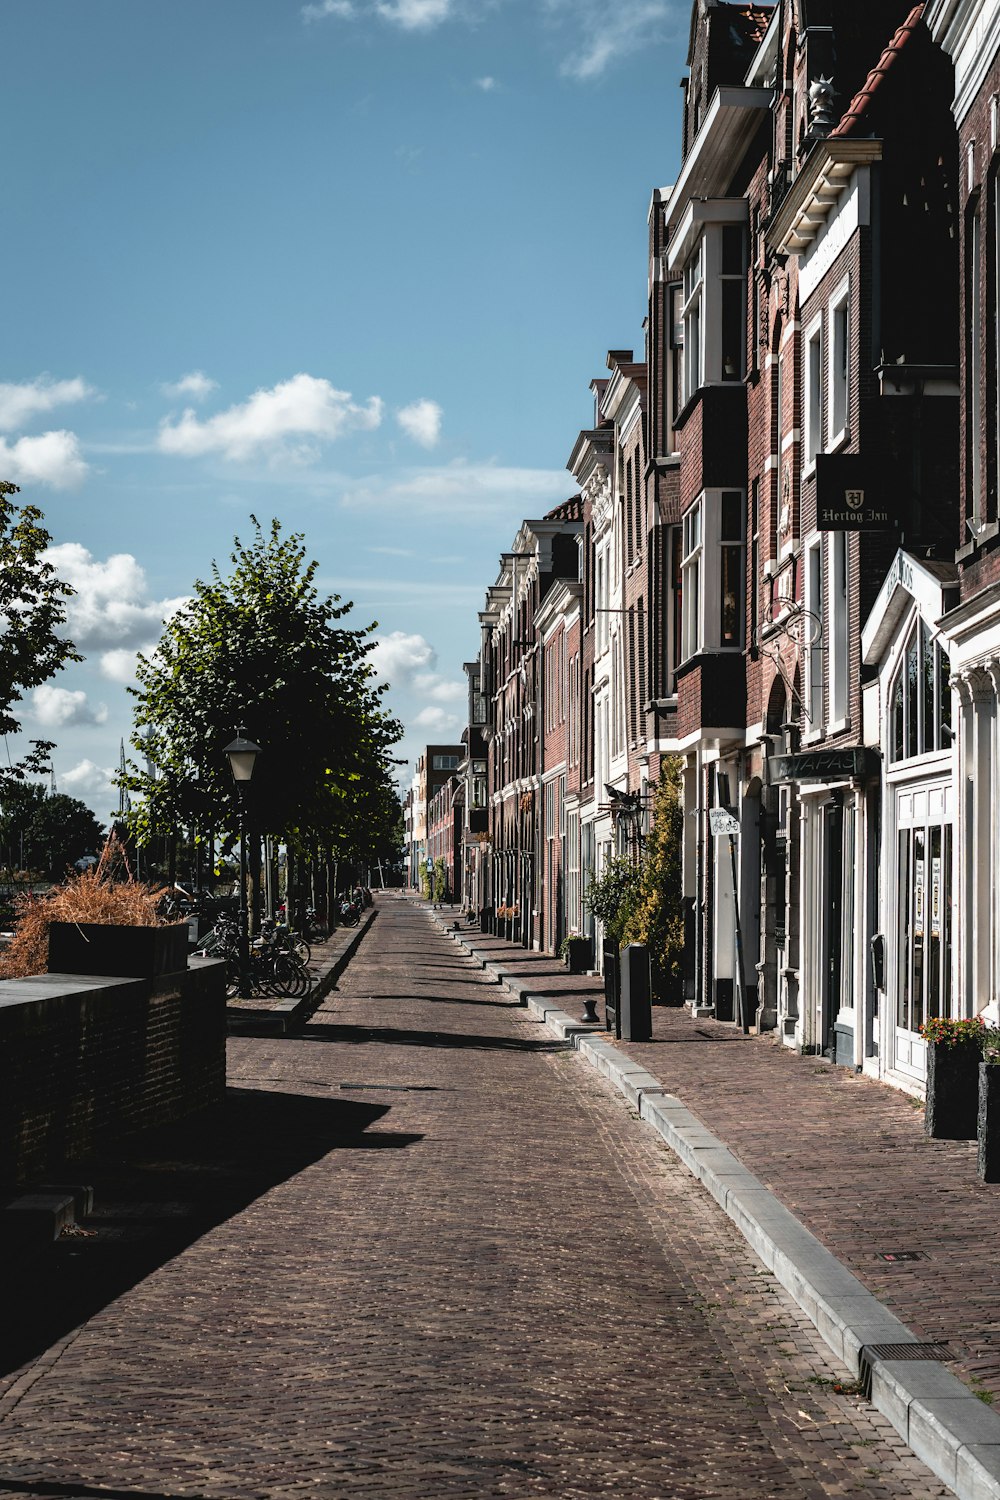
(342, 8)
(197, 385)
(486, 84)
(611, 32)
(436, 721)
(51, 458)
(397, 656)
(465, 490)
(56, 707)
(282, 419)
(92, 784)
(439, 688)
(415, 15)
(119, 665)
(19, 403)
(421, 421)
(111, 609)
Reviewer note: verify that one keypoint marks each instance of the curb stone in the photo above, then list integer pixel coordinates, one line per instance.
(945, 1425)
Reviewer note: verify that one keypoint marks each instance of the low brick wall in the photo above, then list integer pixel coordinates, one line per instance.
(85, 1061)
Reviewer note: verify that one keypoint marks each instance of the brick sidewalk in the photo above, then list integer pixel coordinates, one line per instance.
(424, 1253)
(847, 1155)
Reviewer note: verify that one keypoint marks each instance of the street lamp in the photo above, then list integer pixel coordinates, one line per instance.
(242, 755)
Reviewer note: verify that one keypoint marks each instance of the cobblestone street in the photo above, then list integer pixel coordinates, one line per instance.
(425, 1252)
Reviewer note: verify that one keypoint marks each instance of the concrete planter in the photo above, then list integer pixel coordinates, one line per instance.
(988, 1161)
(578, 955)
(952, 1103)
(100, 948)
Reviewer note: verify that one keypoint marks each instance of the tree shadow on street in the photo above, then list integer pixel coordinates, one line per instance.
(392, 1036)
(163, 1190)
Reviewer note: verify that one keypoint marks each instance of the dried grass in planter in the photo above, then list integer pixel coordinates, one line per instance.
(106, 893)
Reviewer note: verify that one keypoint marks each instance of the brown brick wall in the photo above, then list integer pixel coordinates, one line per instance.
(83, 1066)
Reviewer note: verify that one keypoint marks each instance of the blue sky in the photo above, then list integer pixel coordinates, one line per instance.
(351, 264)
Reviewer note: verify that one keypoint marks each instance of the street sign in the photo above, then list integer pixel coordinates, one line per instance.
(722, 822)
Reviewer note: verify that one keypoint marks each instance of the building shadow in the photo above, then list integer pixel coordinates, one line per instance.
(162, 1191)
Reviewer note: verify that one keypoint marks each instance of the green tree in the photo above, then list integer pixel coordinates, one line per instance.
(262, 649)
(32, 607)
(47, 833)
(611, 896)
(655, 915)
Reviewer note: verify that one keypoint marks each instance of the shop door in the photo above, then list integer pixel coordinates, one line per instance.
(924, 923)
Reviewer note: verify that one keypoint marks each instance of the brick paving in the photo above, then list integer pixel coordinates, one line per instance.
(849, 1157)
(425, 1251)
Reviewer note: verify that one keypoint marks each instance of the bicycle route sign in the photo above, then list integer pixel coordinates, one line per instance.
(722, 823)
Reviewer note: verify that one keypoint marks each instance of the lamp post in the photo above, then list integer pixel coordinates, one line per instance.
(242, 755)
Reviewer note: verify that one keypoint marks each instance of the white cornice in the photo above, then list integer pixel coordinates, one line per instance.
(699, 212)
(969, 31)
(817, 189)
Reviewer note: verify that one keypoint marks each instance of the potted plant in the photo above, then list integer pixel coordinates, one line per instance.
(574, 951)
(988, 1159)
(99, 922)
(954, 1049)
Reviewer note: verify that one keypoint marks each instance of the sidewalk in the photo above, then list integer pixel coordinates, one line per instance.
(848, 1160)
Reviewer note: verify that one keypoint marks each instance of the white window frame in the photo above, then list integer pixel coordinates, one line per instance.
(702, 546)
(692, 567)
(837, 631)
(839, 365)
(813, 395)
(702, 299)
(813, 637)
(692, 310)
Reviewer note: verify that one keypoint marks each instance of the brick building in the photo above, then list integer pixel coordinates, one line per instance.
(784, 563)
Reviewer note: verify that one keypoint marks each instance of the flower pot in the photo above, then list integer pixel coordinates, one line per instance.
(106, 948)
(952, 1103)
(988, 1161)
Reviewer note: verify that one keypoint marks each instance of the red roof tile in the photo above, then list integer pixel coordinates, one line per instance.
(863, 97)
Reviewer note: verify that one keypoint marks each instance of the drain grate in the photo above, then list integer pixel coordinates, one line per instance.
(871, 1352)
(907, 1351)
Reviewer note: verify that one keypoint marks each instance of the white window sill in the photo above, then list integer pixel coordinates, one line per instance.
(838, 727)
(809, 470)
(835, 443)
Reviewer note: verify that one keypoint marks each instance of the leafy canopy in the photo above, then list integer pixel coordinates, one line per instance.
(45, 832)
(262, 649)
(32, 607)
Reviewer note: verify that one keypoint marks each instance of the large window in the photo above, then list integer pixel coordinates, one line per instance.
(974, 355)
(814, 392)
(691, 562)
(837, 627)
(691, 311)
(713, 312)
(920, 698)
(813, 636)
(713, 570)
(840, 352)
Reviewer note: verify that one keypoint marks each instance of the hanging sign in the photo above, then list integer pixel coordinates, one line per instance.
(850, 495)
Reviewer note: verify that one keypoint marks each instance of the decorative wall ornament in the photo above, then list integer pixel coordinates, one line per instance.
(822, 116)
